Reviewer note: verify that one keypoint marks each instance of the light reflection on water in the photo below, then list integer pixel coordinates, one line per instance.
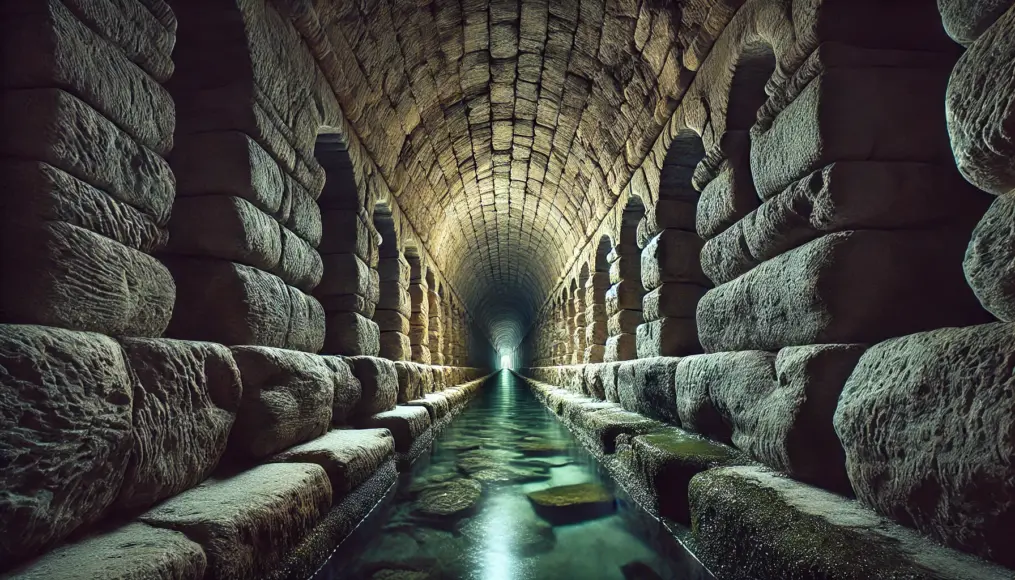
(501, 537)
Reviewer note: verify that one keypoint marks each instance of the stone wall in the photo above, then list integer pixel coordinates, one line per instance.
(178, 244)
(839, 275)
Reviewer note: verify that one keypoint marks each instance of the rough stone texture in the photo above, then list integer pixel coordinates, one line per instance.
(980, 109)
(247, 522)
(672, 256)
(235, 304)
(349, 456)
(287, 399)
(672, 301)
(67, 276)
(405, 422)
(850, 287)
(926, 424)
(990, 259)
(348, 389)
(66, 433)
(966, 20)
(132, 552)
(750, 523)
(379, 381)
(697, 377)
(667, 337)
(351, 334)
(409, 381)
(646, 386)
(186, 396)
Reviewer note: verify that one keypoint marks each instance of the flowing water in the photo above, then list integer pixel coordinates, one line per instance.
(464, 512)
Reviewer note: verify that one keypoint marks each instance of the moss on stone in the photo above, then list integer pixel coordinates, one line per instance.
(572, 503)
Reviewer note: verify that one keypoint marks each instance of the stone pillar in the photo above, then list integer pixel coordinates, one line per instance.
(395, 306)
(350, 287)
(596, 331)
(436, 327)
(623, 300)
(246, 280)
(578, 327)
(87, 189)
(419, 321)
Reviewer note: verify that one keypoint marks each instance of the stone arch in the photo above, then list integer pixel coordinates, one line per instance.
(754, 68)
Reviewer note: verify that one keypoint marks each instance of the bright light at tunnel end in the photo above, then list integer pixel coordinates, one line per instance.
(507, 360)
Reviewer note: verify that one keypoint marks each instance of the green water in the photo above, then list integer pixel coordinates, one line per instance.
(464, 511)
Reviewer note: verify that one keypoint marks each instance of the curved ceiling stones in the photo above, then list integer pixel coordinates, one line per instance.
(506, 128)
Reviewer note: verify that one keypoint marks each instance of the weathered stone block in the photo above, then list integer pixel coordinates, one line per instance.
(225, 227)
(379, 381)
(59, 50)
(672, 301)
(698, 377)
(347, 233)
(409, 381)
(990, 259)
(56, 127)
(186, 395)
(877, 114)
(395, 346)
(978, 108)
(621, 347)
(625, 321)
(625, 295)
(347, 274)
(65, 404)
(347, 389)
(932, 411)
(667, 337)
(134, 550)
(299, 263)
(646, 386)
(672, 256)
(392, 321)
(405, 422)
(854, 287)
(348, 456)
(287, 399)
(351, 334)
(234, 304)
(779, 528)
(247, 522)
(58, 274)
(966, 20)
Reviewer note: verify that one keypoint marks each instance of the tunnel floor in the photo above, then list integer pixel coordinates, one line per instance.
(465, 512)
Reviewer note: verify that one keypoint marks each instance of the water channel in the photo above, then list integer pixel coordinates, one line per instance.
(465, 512)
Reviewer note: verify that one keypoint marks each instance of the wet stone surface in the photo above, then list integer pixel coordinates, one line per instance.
(466, 511)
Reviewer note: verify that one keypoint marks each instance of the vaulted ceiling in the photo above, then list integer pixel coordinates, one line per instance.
(506, 128)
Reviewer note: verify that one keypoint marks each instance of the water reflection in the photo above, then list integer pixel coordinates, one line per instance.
(466, 513)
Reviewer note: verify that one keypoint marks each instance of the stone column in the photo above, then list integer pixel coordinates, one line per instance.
(596, 331)
(395, 306)
(246, 280)
(350, 287)
(419, 322)
(436, 327)
(578, 327)
(568, 327)
(623, 300)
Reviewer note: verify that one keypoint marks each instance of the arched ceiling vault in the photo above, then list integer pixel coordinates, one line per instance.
(506, 128)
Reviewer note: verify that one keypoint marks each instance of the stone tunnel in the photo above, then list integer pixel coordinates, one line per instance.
(256, 256)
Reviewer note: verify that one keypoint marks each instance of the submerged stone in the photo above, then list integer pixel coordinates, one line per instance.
(542, 448)
(573, 503)
(449, 500)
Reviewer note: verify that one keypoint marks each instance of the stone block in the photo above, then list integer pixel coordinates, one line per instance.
(853, 114)
(395, 346)
(625, 270)
(58, 274)
(932, 411)
(966, 20)
(409, 381)
(667, 337)
(241, 233)
(405, 422)
(779, 528)
(234, 304)
(978, 107)
(304, 218)
(65, 403)
(845, 195)
(625, 295)
(247, 522)
(287, 399)
(133, 550)
(672, 256)
(698, 377)
(347, 389)
(646, 386)
(620, 347)
(395, 269)
(348, 456)
(53, 126)
(39, 193)
(854, 287)
(989, 264)
(186, 396)
(347, 274)
(379, 381)
(624, 322)
(59, 50)
(392, 321)
(594, 353)
(672, 301)
(347, 233)
(351, 334)
(299, 265)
